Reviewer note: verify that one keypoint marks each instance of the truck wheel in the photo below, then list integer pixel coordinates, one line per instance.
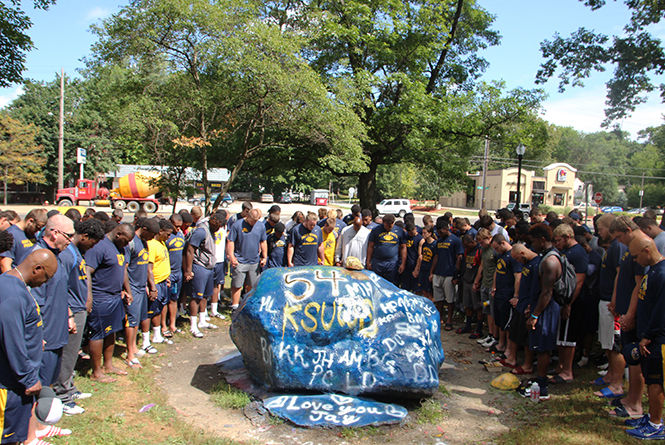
(65, 203)
(119, 205)
(149, 207)
(133, 206)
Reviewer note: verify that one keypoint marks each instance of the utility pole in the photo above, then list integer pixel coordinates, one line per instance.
(485, 161)
(642, 190)
(61, 134)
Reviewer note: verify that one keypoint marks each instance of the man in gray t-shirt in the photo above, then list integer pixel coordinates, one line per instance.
(651, 228)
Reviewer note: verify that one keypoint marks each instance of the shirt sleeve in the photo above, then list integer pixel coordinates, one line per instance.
(94, 257)
(515, 265)
(198, 236)
(12, 336)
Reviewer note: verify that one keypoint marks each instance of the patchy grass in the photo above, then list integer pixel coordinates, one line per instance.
(430, 411)
(112, 415)
(573, 415)
(226, 396)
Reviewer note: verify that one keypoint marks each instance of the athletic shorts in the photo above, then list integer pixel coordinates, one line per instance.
(502, 310)
(176, 287)
(408, 282)
(106, 318)
(155, 306)
(570, 330)
(15, 411)
(628, 337)
(652, 364)
(424, 284)
(245, 273)
(138, 310)
(543, 338)
(443, 289)
(589, 306)
(219, 274)
(386, 270)
(470, 297)
(50, 367)
(518, 331)
(201, 284)
(606, 328)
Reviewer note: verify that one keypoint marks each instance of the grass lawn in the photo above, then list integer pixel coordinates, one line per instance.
(112, 414)
(573, 415)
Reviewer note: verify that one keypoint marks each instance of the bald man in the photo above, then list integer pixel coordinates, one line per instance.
(21, 342)
(24, 233)
(53, 299)
(651, 334)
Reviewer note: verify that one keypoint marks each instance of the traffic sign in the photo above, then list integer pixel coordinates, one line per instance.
(598, 197)
(81, 155)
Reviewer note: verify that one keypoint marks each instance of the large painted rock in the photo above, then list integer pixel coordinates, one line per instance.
(329, 329)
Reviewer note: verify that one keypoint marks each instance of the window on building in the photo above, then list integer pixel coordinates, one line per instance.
(558, 199)
(539, 185)
(512, 197)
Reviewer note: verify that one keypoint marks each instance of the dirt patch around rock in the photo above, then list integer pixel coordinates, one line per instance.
(473, 411)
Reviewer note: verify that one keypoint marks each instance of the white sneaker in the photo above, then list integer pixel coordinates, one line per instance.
(78, 395)
(583, 362)
(484, 339)
(602, 373)
(490, 343)
(207, 325)
(72, 409)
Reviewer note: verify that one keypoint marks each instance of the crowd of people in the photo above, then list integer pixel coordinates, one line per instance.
(73, 282)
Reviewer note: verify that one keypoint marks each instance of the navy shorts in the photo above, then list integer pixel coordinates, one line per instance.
(16, 410)
(155, 306)
(386, 270)
(424, 284)
(201, 284)
(502, 310)
(50, 367)
(106, 318)
(407, 281)
(518, 331)
(138, 310)
(176, 287)
(652, 365)
(543, 338)
(219, 274)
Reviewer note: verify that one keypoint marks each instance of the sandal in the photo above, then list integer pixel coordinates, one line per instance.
(557, 379)
(167, 334)
(506, 364)
(518, 370)
(621, 411)
(150, 349)
(448, 327)
(607, 393)
(37, 441)
(600, 382)
(134, 363)
(52, 431)
(464, 330)
(196, 334)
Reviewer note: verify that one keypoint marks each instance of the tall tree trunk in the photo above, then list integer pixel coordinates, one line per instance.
(367, 187)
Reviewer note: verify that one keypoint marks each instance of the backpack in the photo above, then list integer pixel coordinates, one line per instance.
(564, 287)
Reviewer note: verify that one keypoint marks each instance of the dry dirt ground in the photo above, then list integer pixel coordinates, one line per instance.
(475, 413)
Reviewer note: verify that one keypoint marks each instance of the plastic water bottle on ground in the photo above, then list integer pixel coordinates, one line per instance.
(535, 392)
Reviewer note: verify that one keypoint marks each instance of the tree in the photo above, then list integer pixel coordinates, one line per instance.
(410, 71)
(241, 89)
(14, 40)
(637, 57)
(21, 159)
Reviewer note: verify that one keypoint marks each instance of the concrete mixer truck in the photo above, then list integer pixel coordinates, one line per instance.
(134, 191)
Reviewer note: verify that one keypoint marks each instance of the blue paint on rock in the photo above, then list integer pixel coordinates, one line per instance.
(330, 329)
(334, 410)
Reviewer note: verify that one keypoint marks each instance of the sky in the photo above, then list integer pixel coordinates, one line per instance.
(63, 38)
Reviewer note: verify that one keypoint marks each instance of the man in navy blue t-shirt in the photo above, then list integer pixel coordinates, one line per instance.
(386, 249)
(446, 267)
(276, 247)
(24, 233)
(305, 246)
(21, 343)
(247, 251)
(106, 264)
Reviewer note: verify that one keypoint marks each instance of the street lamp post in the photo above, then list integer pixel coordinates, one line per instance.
(520, 153)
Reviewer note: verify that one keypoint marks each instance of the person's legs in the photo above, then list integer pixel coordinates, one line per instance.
(96, 352)
(656, 400)
(64, 385)
(108, 348)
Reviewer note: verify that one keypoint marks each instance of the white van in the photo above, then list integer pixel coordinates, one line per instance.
(397, 207)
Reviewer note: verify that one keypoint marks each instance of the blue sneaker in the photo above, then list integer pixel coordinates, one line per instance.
(648, 432)
(637, 422)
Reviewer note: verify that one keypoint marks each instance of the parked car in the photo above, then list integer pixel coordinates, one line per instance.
(524, 208)
(227, 200)
(611, 209)
(637, 211)
(286, 198)
(397, 207)
(267, 197)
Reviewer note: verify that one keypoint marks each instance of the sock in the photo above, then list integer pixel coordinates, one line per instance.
(655, 425)
(213, 308)
(205, 313)
(234, 306)
(202, 318)
(156, 332)
(194, 323)
(146, 339)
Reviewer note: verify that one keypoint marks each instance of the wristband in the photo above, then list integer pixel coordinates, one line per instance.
(535, 317)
